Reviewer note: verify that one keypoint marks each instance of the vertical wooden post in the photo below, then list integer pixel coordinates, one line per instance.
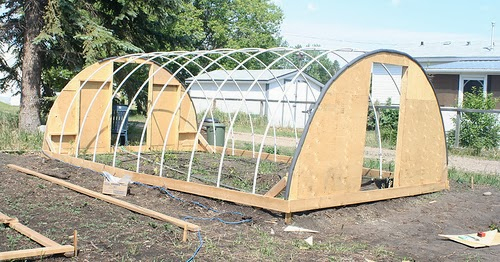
(457, 128)
(184, 235)
(75, 241)
(288, 218)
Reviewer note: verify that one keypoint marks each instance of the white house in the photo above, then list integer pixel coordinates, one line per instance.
(284, 96)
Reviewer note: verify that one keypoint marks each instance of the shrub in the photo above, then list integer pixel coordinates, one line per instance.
(388, 121)
(477, 130)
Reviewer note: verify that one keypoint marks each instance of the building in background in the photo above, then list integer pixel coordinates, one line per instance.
(453, 69)
(284, 96)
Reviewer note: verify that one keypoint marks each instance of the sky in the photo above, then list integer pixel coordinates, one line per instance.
(370, 24)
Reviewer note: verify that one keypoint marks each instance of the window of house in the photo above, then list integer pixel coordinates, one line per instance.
(467, 83)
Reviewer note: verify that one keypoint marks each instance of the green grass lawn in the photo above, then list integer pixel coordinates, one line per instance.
(11, 139)
(5, 108)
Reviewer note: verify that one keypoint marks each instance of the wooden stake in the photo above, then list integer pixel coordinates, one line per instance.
(472, 182)
(75, 241)
(74, 252)
(288, 218)
(185, 235)
(112, 200)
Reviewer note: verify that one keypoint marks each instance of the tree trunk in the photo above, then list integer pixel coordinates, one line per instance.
(29, 113)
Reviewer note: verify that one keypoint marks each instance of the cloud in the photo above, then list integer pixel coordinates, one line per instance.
(395, 2)
(311, 7)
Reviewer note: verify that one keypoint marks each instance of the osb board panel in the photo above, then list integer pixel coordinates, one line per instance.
(162, 115)
(94, 99)
(60, 109)
(162, 76)
(188, 114)
(421, 145)
(67, 145)
(99, 72)
(331, 158)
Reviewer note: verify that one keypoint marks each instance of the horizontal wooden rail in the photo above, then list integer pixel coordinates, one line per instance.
(36, 252)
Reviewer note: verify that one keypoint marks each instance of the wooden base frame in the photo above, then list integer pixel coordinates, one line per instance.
(50, 247)
(256, 200)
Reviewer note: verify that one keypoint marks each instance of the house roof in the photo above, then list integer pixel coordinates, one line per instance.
(467, 66)
(453, 49)
(242, 75)
(445, 51)
(250, 75)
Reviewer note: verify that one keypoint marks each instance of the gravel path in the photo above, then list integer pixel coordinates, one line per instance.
(459, 162)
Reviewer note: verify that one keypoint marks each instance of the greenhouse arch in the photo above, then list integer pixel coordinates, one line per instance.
(175, 146)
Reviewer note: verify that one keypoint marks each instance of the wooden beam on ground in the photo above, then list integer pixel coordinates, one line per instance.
(276, 189)
(50, 247)
(36, 252)
(251, 154)
(112, 200)
(35, 236)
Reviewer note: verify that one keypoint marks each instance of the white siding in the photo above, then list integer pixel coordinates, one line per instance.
(229, 98)
(280, 114)
(290, 114)
(448, 120)
(383, 86)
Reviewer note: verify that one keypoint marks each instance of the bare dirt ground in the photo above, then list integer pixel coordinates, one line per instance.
(393, 230)
(458, 162)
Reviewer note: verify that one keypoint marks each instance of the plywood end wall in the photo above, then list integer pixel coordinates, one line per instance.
(66, 115)
(329, 159)
(94, 83)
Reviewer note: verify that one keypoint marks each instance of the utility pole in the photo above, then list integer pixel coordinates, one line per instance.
(492, 44)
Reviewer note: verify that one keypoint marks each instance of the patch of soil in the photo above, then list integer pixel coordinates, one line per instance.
(392, 230)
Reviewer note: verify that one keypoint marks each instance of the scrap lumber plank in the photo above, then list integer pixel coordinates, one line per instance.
(252, 154)
(36, 252)
(277, 188)
(35, 236)
(204, 144)
(112, 200)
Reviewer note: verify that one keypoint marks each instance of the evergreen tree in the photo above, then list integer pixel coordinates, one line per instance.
(57, 38)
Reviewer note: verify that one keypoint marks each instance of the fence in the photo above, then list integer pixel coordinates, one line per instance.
(457, 119)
